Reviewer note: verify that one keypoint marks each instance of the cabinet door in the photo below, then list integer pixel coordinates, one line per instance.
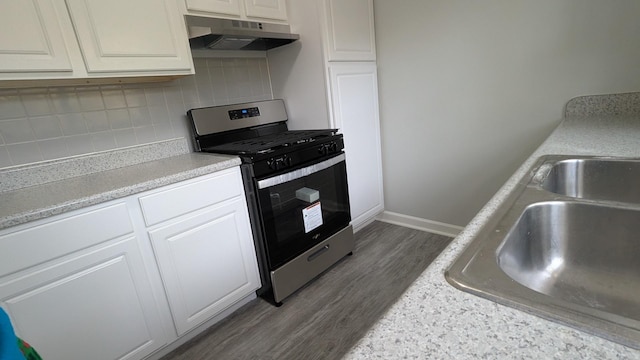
(94, 306)
(349, 30)
(354, 95)
(268, 9)
(207, 262)
(227, 7)
(31, 38)
(130, 36)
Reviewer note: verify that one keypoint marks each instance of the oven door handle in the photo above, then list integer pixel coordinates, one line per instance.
(297, 174)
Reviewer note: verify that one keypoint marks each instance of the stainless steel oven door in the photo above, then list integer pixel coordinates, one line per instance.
(301, 208)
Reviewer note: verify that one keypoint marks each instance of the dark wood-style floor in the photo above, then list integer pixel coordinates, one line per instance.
(328, 316)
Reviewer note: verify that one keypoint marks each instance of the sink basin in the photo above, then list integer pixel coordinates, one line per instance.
(580, 253)
(596, 179)
(564, 246)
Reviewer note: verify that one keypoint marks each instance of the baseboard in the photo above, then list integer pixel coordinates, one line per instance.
(366, 218)
(420, 224)
(359, 225)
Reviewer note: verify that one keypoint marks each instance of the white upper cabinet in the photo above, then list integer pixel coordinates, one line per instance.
(124, 36)
(349, 30)
(31, 38)
(268, 9)
(86, 39)
(256, 10)
(227, 7)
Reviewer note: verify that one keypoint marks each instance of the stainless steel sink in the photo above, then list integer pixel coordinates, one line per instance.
(581, 253)
(564, 246)
(596, 179)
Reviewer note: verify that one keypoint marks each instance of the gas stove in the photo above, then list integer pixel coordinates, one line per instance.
(295, 183)
(259, 135)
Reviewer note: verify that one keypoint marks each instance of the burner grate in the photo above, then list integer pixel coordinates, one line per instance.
(270, 143)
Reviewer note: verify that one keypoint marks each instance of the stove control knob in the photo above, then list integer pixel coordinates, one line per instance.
(322, 150)
(333, 147)
(281, 162)
(272, 164)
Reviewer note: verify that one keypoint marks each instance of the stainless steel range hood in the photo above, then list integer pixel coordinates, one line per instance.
(223, 34)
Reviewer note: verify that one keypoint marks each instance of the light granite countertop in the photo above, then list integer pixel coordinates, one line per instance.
(45, 189)
(434, 320)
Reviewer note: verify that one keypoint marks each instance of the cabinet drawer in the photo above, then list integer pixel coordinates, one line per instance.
(197, 194)
(62, 235)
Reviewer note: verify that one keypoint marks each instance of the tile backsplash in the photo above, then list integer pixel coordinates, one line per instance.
(53, 123)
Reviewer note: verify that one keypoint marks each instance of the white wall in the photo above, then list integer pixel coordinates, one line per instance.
(57, 122)
(297, 70)
(468, 89)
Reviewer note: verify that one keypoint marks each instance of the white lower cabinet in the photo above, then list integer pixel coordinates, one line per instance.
(83, 302)
(354, 96)
(207, 262)
(94, 283)
(202, 242)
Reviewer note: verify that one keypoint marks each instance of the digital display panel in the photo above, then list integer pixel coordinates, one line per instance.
(244, 113)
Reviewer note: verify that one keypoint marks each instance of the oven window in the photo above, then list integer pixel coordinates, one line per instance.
(300, 213)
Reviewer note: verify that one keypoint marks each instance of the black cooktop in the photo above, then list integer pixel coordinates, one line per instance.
(273, 142)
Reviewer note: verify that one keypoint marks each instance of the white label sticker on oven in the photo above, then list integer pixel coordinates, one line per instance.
(312, 216)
